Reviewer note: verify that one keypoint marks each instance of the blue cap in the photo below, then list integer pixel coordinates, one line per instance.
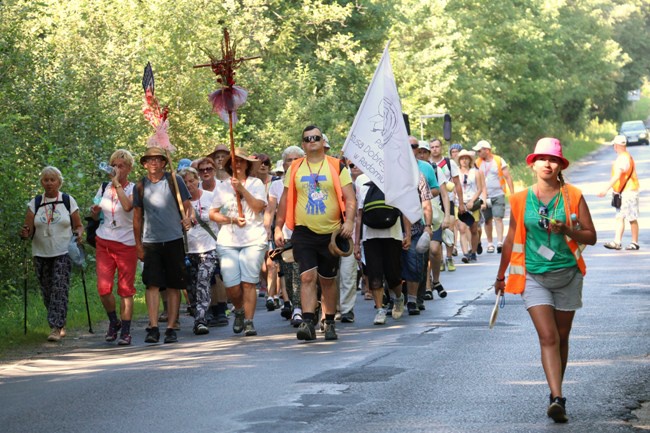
(455, 146)
(184, 163)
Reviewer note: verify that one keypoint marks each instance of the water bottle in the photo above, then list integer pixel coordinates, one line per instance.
(576, 223)
(107, 168)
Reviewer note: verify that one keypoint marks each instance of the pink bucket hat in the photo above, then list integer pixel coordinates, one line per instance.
(548, 146)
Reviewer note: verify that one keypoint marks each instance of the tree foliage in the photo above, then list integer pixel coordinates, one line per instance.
(507, 70)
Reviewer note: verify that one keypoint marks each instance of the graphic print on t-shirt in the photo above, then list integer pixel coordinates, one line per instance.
(316, 196)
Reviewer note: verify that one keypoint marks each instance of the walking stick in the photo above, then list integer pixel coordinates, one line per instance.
(25, 289)
(82, 262)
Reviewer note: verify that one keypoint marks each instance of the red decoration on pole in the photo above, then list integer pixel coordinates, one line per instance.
(229, 98)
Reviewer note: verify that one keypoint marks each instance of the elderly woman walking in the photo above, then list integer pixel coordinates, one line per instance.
(550, 224)
(52, 218)
(115, 249)
(241, 242)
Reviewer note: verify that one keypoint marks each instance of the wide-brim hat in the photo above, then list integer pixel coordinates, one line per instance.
(219, 148)
(340, 246)
(242, 153)
(153, 151)
(548, 146)
(468, 153)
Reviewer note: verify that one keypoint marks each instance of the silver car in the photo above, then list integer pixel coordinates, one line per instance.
(635, 131)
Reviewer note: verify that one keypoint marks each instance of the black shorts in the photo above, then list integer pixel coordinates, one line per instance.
(164, 265)
(383, 259)
(311, 251)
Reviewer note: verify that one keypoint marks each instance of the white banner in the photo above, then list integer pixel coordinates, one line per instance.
(378, 143)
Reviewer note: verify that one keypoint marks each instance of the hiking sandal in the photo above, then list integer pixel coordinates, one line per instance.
(632, 247)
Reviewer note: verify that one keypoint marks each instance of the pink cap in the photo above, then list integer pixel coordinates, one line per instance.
(548, 146)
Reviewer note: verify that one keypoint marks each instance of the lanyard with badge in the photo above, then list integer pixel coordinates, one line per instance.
(545, 222)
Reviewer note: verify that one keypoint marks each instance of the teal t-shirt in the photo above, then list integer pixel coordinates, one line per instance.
(536, 236)
(429, 174)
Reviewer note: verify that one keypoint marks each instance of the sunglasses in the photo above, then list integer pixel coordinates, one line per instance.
(464, 179)
(311, 138)
(206, 170)
(351, 165)
(414, 146)
(543, 221)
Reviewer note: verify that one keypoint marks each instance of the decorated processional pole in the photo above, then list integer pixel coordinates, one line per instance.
(157, 118)
(226, 100)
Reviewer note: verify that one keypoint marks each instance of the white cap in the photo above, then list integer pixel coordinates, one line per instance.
(619, 139)
(424, 145)
(279, 167)
(326, 145)
(483, 144)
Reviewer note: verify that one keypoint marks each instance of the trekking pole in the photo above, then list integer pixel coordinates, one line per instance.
(25, 288)
(83, 281)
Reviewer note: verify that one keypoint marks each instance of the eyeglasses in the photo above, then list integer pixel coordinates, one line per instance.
(206, 170)
(155, 158)
(311, 138)
(543, 221)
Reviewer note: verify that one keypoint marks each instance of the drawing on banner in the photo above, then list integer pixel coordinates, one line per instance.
(385, 120)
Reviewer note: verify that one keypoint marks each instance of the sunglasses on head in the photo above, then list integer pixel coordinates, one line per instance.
(311, 138)
(543, 221)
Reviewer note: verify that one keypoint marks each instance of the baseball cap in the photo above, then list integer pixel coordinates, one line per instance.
(424, 145)
(619, 139)
(483, 144)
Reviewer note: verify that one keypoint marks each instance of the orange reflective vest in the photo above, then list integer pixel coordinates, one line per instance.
(517, 273)
(630, 174)
(292, 195)
(497, 161)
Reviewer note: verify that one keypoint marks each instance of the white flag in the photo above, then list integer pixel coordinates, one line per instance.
(378, 143)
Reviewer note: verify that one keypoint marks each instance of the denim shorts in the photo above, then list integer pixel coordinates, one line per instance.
(241, 264)
(545, 289)
(412, 262)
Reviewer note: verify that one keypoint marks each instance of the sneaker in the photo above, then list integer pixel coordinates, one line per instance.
(389, 307)
(125, 340)
(473, 258)
(441, 290)
(330, 330)
(428, 295)
(420, 305)
(442, 266)
(306, 331)
(348, 317)
(612, 246)
(249, 328)
(153, 335)
(286, 311)
(454, 251)
(163, 317)
(111, 334)
(465, 258)
(170, 336)
(218, 320)
(412, 309)
(296, 320)
(55, 335)
(238, 324)
(499, 247)
(479, 249)
(398, 308)
(380, 317)
(277, 303)
(450, 265)
(557, 410)
(201, 329)
(270, 304)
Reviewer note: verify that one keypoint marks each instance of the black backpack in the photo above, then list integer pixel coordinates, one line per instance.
(376, 213)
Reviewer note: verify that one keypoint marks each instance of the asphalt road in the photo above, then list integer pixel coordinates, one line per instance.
(443, 371)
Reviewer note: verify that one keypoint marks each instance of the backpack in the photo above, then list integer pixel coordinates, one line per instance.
(376, 213)
(93, 225)
(38, 203)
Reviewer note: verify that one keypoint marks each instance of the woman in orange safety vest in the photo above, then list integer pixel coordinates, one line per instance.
(550, 225)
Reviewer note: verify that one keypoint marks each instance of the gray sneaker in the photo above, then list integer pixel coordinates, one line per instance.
(249, 328)
(380, 317)
(348, 317)
(398, 307)
(306, 331)
(238, 324)
(330, 331)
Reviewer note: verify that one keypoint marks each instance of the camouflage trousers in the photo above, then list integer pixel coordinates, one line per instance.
(292, 282)
(200, 270)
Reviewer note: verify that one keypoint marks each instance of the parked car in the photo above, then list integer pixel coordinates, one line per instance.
(635, 131)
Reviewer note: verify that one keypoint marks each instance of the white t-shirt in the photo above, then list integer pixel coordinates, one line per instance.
(446, 172)
(253, 233)
(469, 184)
(276, 190)
(394, 232)
(491, 173)
(198, 238)
(117, 225)
(52, 227)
